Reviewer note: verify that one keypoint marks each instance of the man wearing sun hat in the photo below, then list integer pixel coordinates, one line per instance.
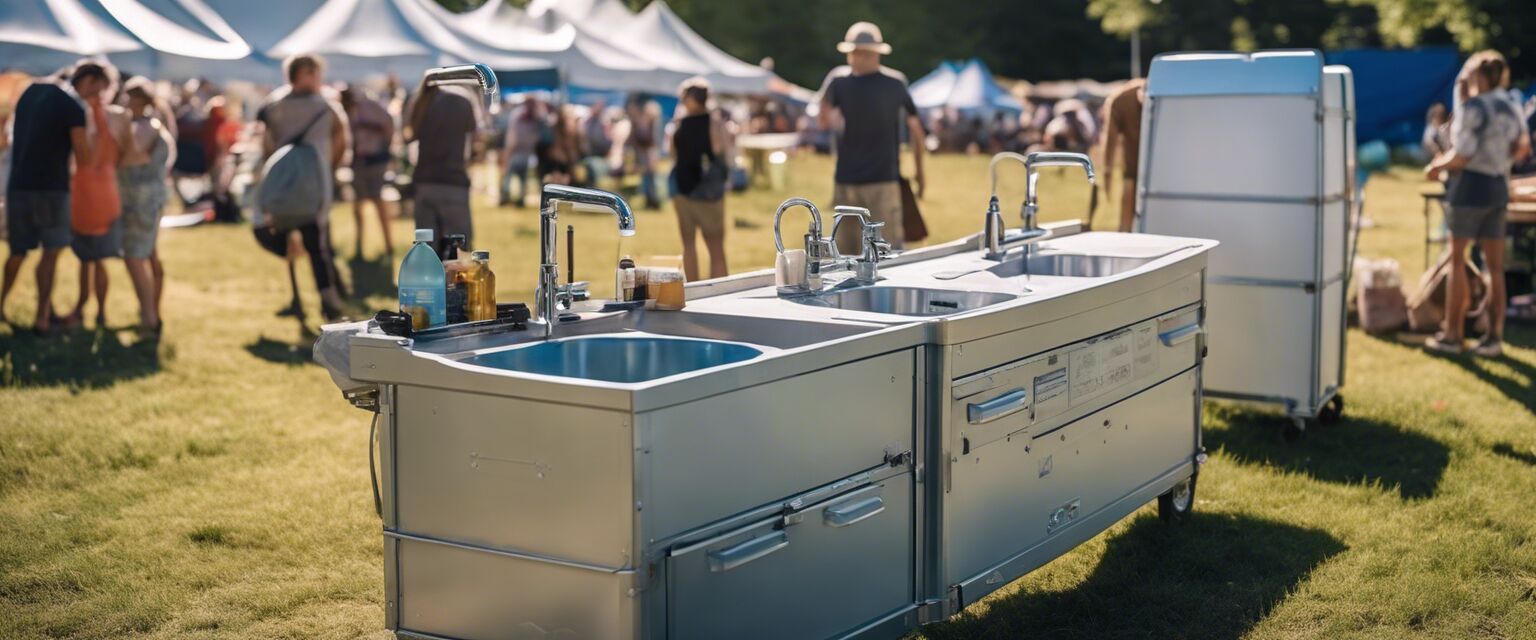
(871, 103)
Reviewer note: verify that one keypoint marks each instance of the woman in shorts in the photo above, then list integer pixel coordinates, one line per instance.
(96, 207)
(1485, 137)
(141, 183)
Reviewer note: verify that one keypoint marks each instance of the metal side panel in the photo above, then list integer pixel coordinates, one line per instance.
(1261, 342)
(972, 590)
(1238, 146)
(545, 479)
(1259, 240)
(453, 592)
(817, 572)
(715, 457)
(1017, 493)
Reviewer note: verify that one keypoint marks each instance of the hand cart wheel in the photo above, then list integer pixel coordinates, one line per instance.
(1175, 505)
(1332, 411)
(1295, 427)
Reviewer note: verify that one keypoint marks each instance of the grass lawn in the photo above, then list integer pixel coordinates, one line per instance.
(215, 485)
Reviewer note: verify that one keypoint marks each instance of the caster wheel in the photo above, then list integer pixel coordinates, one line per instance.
(1332, 412)
(1175, 505)
(1295, 428)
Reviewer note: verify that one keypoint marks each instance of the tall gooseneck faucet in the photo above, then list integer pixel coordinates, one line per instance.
(817, 247)
(995, 239)
(549, 206)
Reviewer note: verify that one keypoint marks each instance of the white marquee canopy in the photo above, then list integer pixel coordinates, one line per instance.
(592, 44)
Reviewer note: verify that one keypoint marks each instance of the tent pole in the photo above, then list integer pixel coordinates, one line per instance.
(1136, 54)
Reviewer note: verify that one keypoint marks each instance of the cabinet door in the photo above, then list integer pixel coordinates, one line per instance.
(813, 573)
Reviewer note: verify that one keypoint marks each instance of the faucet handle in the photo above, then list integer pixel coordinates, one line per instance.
(573, 292)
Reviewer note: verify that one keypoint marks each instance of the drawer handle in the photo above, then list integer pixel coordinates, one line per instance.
(1001, 406)
(1180, 335)
(732, 557)
(845, 514)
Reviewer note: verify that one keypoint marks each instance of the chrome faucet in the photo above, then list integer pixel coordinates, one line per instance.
(817, 247)
(474, 75)
(873, 248)
(995, 238)
(550, 293)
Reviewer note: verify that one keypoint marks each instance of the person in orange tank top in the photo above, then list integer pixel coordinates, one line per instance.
(96, 207)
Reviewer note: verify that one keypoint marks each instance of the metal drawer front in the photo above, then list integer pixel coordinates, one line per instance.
(454, 592)
(812, 573)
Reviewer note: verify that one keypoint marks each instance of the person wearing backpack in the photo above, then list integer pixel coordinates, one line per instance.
(304, 139)
(1485, 137)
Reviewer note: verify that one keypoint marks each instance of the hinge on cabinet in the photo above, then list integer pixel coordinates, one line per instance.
(898, 459)
(363, 397)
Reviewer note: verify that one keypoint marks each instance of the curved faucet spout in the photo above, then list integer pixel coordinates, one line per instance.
(476, 75)
(997, 159)
(992, 239)
(590, 200)
(549, 210)
(778, 239)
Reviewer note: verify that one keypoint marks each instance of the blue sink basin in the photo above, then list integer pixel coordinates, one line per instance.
(616, 358)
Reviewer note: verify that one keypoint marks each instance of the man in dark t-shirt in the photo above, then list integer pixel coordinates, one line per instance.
(443, 120)
(872, 103)
(49, 125)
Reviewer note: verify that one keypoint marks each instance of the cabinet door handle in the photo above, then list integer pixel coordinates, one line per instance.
(848, 513)
(1180, 335)
(740, 554)
(1003, 405)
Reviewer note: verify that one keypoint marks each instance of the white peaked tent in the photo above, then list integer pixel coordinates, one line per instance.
(264, 23)
(42, 36)
(582, 59)
(655, 37)
(184, 38)
(658, 28)
(368, 38)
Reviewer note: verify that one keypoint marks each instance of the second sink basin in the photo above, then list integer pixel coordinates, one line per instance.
(616, 358)
(906, 301)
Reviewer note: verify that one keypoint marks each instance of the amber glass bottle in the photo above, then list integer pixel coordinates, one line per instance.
(482, 287)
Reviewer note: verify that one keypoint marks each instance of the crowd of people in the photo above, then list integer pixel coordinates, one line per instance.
(96, 159)
(87, 171)
(96, 176)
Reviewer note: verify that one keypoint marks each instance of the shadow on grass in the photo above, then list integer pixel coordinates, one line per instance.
(89, 359)
(1490, 370)
(1211, 576)
(371, 278)
(1509, 451)
(289, 353)
(1354, 451)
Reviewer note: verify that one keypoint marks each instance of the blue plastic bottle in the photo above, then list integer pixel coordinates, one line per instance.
(423, 295)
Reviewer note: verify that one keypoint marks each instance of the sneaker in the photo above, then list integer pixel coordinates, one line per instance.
(1489, 348)
(1439, 342)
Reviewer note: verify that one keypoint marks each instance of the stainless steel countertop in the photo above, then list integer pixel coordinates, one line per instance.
(796, 338)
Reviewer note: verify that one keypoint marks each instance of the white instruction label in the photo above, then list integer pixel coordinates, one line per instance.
(1146, 349)
(1101, 364)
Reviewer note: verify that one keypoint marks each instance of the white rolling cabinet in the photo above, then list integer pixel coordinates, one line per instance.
(1256, 150)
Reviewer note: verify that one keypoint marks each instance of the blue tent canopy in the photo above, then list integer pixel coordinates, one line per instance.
(1394, 88)
(965, 86)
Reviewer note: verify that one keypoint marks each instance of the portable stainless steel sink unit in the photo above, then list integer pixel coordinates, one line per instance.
(851, 461)
(1257, 151)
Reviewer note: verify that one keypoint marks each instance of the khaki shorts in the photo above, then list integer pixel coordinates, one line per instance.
(883, 199)
(708, 216)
